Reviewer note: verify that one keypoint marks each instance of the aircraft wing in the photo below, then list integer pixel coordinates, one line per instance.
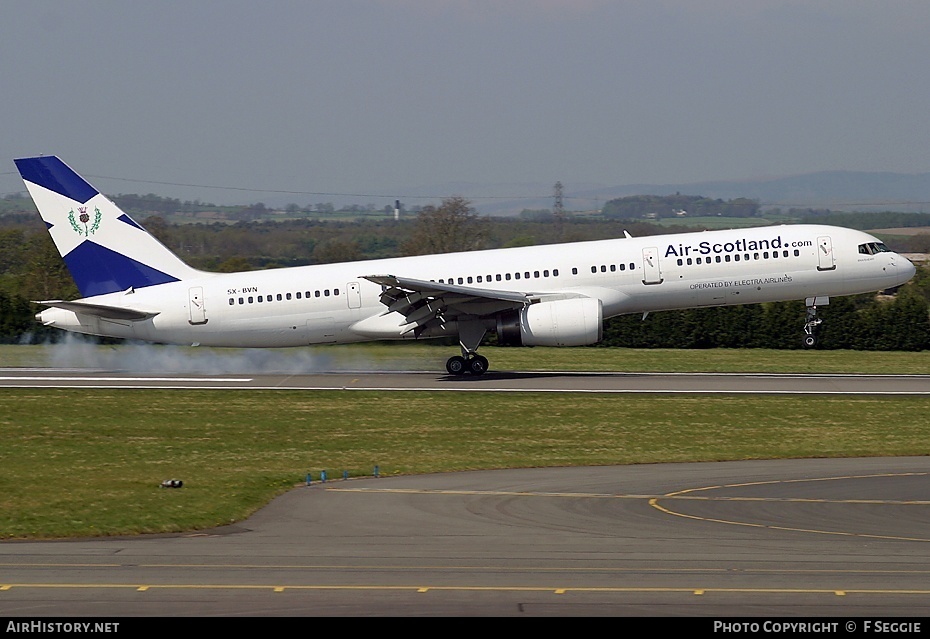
(424, 304)
(101, 310)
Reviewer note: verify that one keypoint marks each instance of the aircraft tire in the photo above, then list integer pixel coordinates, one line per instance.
(456, 365)
(478, 365)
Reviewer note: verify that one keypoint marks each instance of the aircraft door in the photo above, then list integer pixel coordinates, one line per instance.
(198, 314)
(652, 274)
(825, 259)
(354, 295)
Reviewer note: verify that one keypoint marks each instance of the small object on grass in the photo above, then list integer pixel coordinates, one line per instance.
(172, 483)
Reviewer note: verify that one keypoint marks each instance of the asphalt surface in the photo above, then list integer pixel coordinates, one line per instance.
(555, 382)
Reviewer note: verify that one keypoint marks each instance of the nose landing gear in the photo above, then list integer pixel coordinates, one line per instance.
(812, 322)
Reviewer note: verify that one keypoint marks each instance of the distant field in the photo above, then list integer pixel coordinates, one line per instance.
(712, 222)
(903, 230)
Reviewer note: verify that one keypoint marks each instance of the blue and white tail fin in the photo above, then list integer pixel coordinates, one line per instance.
(105, 250)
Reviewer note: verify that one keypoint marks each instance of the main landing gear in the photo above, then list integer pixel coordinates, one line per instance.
(470, 335)
(470, 363)
(812, 322)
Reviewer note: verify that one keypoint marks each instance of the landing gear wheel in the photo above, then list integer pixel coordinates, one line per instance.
(478, 365)
(456, 365)
(810, 326)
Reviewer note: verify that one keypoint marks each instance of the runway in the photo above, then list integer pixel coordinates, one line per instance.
(809, 538)
(545, 382)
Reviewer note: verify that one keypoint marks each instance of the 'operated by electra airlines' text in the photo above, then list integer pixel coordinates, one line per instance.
(133, 287)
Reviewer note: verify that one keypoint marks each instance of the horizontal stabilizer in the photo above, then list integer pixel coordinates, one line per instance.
(102, 310)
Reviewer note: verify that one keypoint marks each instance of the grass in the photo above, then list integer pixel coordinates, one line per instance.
(89, 462)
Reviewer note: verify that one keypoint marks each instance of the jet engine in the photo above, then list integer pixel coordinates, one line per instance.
(571, 322)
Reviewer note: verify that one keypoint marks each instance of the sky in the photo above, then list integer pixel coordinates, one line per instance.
(387, 98)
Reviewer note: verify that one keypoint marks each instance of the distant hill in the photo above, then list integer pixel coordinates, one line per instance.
(837, 190)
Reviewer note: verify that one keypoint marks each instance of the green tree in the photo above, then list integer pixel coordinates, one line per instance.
(337, 250)
(452, 226)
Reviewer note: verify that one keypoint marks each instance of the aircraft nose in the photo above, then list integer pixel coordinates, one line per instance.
(906, 269)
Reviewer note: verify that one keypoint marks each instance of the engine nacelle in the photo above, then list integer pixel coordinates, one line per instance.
(572, 322)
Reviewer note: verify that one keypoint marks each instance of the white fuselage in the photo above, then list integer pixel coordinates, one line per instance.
(327, 303)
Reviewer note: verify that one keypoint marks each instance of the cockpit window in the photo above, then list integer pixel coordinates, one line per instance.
(871, 248)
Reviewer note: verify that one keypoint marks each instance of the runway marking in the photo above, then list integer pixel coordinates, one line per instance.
(45, 378)
(682, 495)
(669, 496)
(678, 495)
(556, 590)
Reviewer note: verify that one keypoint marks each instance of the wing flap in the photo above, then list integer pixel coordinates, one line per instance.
(435, 289)
(426, 304)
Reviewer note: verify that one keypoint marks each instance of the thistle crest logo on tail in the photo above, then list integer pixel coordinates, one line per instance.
(84, 217)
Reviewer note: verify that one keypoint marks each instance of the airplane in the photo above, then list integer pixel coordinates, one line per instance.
(134, 287)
